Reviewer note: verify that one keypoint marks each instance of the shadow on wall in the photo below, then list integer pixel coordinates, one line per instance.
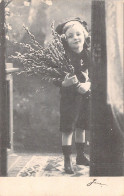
(36, 110)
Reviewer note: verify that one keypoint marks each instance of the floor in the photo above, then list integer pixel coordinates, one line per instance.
(38, 165)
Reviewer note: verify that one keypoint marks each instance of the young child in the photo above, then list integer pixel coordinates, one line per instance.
(74, 90)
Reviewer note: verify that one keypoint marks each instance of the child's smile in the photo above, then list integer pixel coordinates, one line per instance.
(75, 38)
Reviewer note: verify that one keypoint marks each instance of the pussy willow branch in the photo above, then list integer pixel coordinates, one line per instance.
(50, 62)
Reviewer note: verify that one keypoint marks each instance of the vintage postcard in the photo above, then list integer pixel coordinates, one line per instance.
(61, 97)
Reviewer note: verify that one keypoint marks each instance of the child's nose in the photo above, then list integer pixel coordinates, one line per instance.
(75, 36)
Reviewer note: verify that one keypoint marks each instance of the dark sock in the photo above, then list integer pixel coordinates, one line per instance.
(80, 158)
(80, 148)
(67, 149)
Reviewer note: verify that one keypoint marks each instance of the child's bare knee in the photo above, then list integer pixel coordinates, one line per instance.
(79, 130)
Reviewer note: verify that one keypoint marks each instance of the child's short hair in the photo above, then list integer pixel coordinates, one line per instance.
(71, 24)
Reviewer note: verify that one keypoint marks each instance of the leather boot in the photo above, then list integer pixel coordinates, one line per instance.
(80, 158)
(67, 159)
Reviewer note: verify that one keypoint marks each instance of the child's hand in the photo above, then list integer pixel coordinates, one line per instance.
(69, 81)
(84, 87)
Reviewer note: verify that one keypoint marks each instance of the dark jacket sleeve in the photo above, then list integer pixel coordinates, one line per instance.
(57, 83)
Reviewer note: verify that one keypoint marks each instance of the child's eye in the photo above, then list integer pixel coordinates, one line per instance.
(78, 34)
(70, 36)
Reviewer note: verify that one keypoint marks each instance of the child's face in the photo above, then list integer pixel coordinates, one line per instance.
(75, 38)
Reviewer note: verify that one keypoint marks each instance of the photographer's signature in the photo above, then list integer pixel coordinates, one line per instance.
(95, 182)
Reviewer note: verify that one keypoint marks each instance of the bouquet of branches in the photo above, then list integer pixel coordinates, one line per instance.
(50, 62)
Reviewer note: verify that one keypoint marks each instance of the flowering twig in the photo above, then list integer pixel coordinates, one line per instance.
(49, 62)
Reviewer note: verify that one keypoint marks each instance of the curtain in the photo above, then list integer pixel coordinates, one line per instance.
(115, 67)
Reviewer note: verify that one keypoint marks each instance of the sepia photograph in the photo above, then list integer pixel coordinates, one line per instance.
(62, 95)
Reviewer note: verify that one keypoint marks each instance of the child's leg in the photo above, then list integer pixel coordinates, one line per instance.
(80, 143)
(67, 138)
(79, 136)
(67, 150)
